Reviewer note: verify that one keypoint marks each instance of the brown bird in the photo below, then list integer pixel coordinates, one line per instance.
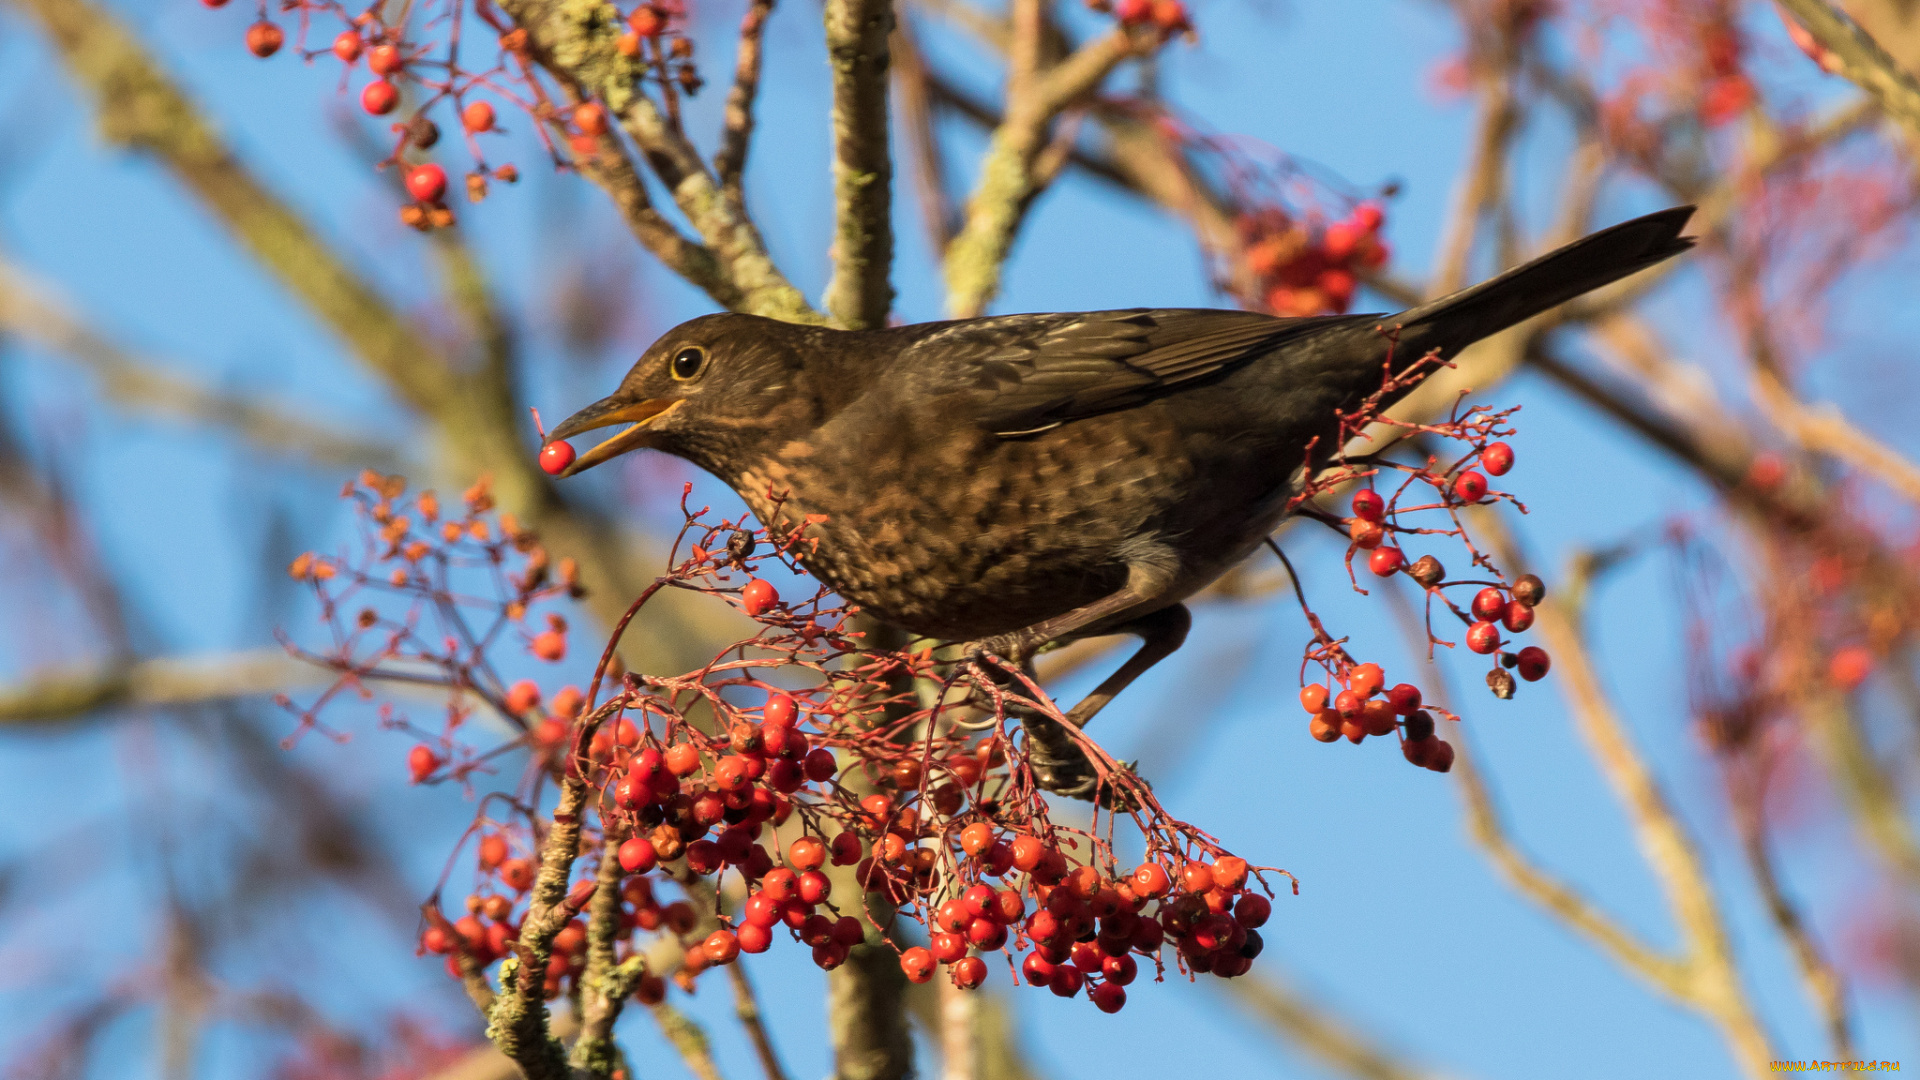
(1022, 479)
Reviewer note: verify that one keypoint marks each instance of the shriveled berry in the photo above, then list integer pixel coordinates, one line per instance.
(1497, 458)
(1229, 872)
(1419, 725)
(1534, 663)
(1529, 590)
(1440, 759)
(1427, 571)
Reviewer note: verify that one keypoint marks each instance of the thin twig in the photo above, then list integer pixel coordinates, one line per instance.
(730, 163)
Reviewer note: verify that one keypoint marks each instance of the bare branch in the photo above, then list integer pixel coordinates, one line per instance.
(52, 696)
(860, 294)
(747, 1007)
(913, 85)
(1307, 1026)
(730, 163)
(1862, 59)
(1008, 183)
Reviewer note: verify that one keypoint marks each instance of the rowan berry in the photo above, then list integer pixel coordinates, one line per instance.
(1252, 910)
(1066, 981)
(647, 22)
(1483, 637)
(384, 59)
(347, 45)
(829, 955)
(1036, 969)
(1027, 852)
(1440, 758)
(1196, 877)
(813, 887)
(683, 759)
(1366, 679)
(555, 457)
(1129, 12)
(428, 183)
(1385, 561)
(758, 597)
(264, 39)
(1368, 505)
(1365, 534)
(421, 762)
(1497, 458)
(379, 97)
(1489, 604)
(918, 963)
(1470, 487)
(517, 874)
(1150, 880)
(1529, 590)
(493, 851)
(1313, 697)
(549, 645)
(846, 849)
(721, 947)
(1517, 617)
(969, 973)
(1534, 663)
(754, 939)
(591, 118)
(848, 931)
(1109, 997)
(1419, 725)
(948, 947)
(1349, 703)
(1325, 727)
(807, 853)
(820, 765)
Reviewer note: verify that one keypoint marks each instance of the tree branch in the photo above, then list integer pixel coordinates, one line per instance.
(730, 163)
(1321, 1035)
(66, 694)
(1862, 59)
(860, 294)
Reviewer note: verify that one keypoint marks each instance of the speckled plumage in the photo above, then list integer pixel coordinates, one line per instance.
(1014, 479)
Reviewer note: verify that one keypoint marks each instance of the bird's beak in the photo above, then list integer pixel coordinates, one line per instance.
(605, 413)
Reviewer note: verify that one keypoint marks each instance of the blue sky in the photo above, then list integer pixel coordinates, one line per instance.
(1400, 924)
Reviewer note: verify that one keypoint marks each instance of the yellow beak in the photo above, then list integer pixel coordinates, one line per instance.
(606, 413)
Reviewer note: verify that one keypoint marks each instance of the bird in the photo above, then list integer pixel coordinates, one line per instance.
(1018, 480)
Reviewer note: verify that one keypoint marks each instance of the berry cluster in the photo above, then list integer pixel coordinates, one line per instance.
(419, 48)
(1305, 266)
(823, 813)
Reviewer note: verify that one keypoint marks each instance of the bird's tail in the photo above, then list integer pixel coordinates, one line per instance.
(1451, 323)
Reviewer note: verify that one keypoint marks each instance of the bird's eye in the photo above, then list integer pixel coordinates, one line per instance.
(687, 363)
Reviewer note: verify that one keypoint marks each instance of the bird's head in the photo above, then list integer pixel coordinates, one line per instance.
(705, 388)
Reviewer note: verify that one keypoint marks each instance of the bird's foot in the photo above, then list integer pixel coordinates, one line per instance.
(1012, 648)
(1062, 768)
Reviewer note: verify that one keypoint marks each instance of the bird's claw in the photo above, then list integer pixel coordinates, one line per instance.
(1008, 647)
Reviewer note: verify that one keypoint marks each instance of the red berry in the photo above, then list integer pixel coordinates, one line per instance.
(477, 116)
(1325, 727)
(1170, 15)
(1483, 637)
(493, 850)
(549, 645)
(1036, 969)
(779, 711)
(591, 118)
(555, 456)
(683, 759)
(807, 853)
(1066, 981)
(1366, 679)
(1440, 758)
(1850, 666)
(1489, 604)
(1229, 872)
(213, 3)
(1313, 698)
(754, 939)
(647, 21)
(1517, 617)
(814, 887)
(1470, 487)
(918, 963)
(522, 696)
(1349, 704)
(1151, 880)
(975, 839)
(428, 183)
(1128, 11)
(829, 954)
(421, 761)
(721, 947)
(758, 597)
(1497, 458)
(820, 765)
(347, 46)
(1404, 698)
(1119, 970)
(1366, 535)
(1368, 505)
(1196, 877)
(948, 947)
(1386, 561)
(264, 39)
(384, 59)
(846, 849)
(969, 972)
(1533, 665)
(1109, 997)
(379, 97)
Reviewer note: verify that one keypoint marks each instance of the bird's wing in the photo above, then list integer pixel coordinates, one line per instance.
(1024, 373)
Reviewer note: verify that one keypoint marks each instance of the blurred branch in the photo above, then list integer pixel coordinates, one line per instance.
(689, 1039)
(1706, 975)
(746, 1006)
(913, 86)
(1480, 191)
(29, 311)
(59, 695)
(860, 294)
(958, 1016)
(1008, 180)
(730, 163)
(578, 43)
(1318, 1033)
(612, 170)
(1862, 59)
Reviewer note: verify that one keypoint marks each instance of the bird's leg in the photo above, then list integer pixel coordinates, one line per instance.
(1059, 765)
